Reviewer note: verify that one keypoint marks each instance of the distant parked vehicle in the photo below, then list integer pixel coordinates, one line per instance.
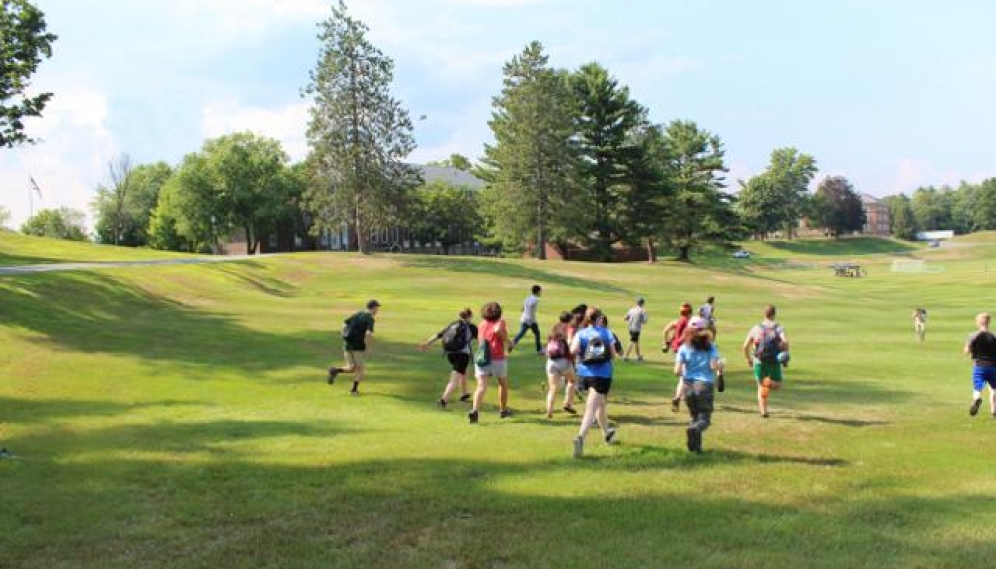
(741, 254)
(933, 244)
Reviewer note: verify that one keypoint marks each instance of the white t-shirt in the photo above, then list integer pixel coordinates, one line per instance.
(529, 309)
(636, 318)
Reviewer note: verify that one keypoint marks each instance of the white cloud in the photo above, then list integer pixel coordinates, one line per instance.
(70, 159)
(228, 20)
(288, 124)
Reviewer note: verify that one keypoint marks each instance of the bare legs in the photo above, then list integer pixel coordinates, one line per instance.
(764, 389)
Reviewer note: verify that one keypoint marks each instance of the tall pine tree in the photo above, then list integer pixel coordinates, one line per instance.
(530, 168)
(359, 135)
(699, 210)
(607, 120)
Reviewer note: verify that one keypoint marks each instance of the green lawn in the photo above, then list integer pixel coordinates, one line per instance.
(18, 249)
(179, 417)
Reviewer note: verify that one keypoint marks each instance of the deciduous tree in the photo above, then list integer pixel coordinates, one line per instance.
(62, 223)
(23, 42)
(837, 207)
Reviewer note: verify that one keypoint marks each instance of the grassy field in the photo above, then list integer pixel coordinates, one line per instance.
(178, 417)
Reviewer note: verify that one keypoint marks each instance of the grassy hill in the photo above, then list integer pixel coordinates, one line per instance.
(179, 417)
(19, 249)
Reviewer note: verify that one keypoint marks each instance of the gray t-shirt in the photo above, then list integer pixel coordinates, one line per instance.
(636, 318)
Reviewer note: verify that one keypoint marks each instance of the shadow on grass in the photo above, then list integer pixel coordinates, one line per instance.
(7, 260)
(264, 284)
(235, 509)
(510, 270)
(784, 415)
(95, 312)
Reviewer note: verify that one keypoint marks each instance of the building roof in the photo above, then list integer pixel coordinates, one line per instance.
(866, 198)
(450, 176)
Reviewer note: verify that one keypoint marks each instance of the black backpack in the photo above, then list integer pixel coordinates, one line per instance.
(352, 332)
(454, 337)
(768, 346)
(596, 352)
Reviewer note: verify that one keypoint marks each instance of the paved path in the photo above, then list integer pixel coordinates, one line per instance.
(60, 267)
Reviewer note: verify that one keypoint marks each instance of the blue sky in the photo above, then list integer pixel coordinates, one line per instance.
(892, 94)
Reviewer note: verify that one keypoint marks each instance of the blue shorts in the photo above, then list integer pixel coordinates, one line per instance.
(982, 376)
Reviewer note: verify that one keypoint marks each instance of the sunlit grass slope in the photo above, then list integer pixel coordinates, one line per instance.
(179, 417)
(18, 249)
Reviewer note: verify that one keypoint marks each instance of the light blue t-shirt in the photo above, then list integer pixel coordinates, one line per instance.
(594, 370)
(697, 363)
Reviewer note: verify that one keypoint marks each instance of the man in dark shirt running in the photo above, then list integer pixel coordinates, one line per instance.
(357, 336)
(981, 346)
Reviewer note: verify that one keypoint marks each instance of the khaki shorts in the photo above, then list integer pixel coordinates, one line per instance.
(559, 368)
(355, 359)
(497, 368)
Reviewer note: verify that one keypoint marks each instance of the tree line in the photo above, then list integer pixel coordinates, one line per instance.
(965, 209)
(576, 165)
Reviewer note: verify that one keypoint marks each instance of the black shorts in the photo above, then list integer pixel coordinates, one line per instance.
(459, 361)
(634, 336)
(599, 384)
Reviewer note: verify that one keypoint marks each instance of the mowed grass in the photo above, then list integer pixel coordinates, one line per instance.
(179, 417)
(19, 249)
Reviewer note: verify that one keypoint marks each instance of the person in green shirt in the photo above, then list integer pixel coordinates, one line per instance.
(357, 337)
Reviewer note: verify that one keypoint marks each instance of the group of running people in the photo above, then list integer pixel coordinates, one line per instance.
(580, 351)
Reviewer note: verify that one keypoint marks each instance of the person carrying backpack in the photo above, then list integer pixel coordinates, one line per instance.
(560, 365)
(766, 350)
(981, 346)
(595, 346)
(490, 360)
(456, 339)
(357, 337)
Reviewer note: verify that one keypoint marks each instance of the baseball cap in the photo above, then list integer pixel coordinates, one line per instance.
(373, 304)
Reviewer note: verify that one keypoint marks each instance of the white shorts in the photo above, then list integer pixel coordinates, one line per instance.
(497, 368)
(559, 368)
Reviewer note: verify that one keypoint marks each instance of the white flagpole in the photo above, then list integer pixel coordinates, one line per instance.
(31, 201)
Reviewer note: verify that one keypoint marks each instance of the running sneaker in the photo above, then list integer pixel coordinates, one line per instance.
(570, 410)
(974, 409)
(610, 437)
(333, 372)
(578, 447)
(442, 404)
(694, 439)
(473, 417)
(465, 397)
(676, 404)
(505, 414)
